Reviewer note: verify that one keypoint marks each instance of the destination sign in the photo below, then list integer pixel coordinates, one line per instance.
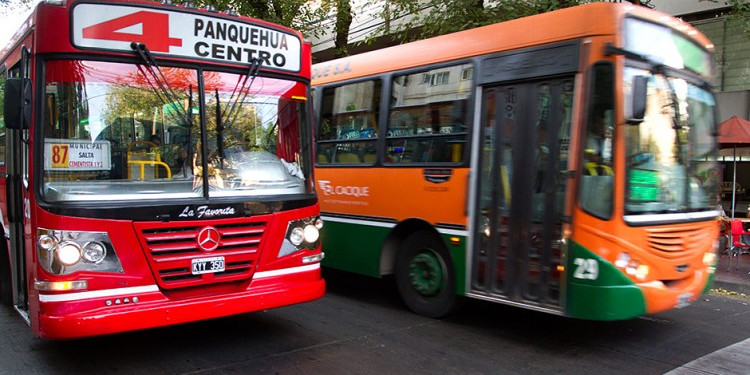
(114, 27)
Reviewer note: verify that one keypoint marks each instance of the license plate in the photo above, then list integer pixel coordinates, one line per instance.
(208, 265)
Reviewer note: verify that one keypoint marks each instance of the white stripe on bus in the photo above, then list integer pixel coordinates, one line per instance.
(97, 294)
(286, 271)
(450, 232)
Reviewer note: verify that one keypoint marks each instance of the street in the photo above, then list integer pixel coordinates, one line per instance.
(361, 327)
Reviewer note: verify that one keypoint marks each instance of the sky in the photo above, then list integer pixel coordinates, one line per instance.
(13, 15)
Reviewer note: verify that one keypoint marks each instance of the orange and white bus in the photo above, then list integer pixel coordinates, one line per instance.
(563, 162)
(157, 164)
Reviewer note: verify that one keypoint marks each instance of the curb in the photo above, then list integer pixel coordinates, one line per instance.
(732, 287)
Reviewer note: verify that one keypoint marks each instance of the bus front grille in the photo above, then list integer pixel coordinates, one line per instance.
(172, 247)
(671, 243)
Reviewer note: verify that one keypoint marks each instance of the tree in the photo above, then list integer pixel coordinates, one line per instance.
(300, 15)
(739, 13)
(418, 19)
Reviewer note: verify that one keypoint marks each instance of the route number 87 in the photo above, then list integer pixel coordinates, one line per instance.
(587, 269)
(60, 156)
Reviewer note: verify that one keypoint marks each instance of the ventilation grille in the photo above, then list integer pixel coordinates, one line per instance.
(674, 243)
(171, 249)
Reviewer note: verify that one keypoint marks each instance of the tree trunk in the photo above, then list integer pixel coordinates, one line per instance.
(343, 21)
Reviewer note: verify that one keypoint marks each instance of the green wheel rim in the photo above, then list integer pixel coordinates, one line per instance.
(426, 273)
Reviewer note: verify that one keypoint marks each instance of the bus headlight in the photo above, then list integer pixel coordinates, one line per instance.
(62, 252)
(311, 234)
(94, 252)
(296, 236)
(631, 266)
(301, 235)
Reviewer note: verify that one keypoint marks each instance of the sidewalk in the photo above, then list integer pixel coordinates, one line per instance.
(734, 278)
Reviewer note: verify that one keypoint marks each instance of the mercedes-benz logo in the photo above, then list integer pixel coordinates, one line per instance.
(208, 238)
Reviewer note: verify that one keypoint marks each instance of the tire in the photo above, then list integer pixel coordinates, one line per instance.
(424, 275)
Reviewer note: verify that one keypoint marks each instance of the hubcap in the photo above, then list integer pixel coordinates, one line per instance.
(426, 273)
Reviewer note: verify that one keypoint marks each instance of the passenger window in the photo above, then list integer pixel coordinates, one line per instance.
(348, 127)
(428, 118)
(597, 185)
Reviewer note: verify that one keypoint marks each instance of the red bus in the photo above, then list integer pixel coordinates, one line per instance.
(158, 168)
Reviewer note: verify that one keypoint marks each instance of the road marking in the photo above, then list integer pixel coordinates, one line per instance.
(733, 359)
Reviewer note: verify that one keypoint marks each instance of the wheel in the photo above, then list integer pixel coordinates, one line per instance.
(424, 275)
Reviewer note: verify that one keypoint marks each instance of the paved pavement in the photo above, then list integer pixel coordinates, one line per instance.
(733, 273)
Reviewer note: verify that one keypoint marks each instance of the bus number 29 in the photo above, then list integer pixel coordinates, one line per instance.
(587, 269)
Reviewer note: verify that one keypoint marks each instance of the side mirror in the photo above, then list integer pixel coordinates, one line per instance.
(17, 106)
(635, 111)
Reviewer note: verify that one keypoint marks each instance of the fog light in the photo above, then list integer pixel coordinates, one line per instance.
(69, 253)
(94, 252)
(296, 236)
(311, 234)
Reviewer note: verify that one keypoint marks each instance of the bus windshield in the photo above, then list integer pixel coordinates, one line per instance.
(670, 156)
(111, 131)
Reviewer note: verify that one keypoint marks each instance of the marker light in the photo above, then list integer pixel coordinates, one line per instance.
(319, 223)
(47, 242)
(61, 285)
(709, 259)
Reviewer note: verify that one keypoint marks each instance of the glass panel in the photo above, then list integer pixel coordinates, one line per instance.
(348, 124)
(428, 117)
(670, 155)
(109, 132)
(254, 136)
(670, 47)
(598, 171)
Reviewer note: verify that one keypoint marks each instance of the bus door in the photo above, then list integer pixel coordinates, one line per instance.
(520, 207)
(16, 182)
(522, 189)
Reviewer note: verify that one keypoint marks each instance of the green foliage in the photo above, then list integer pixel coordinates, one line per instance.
(407, 20)
(300, 15)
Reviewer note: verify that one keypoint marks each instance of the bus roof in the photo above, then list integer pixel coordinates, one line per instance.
(580, 21)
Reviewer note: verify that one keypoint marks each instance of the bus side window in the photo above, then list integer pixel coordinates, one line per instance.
(427, 120)
(348, 128)
(598, 171)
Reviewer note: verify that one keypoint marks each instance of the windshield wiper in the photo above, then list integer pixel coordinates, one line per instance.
(169, 96)
(232, 107)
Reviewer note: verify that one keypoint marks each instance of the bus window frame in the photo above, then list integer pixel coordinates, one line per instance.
(469, 125)
(590, 87)
(318, 109)
(384, 115)
(107, 209)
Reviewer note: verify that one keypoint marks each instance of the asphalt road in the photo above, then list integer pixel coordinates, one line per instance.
(361, 327)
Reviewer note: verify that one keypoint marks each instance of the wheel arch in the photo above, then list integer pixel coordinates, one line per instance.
(396, 237)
